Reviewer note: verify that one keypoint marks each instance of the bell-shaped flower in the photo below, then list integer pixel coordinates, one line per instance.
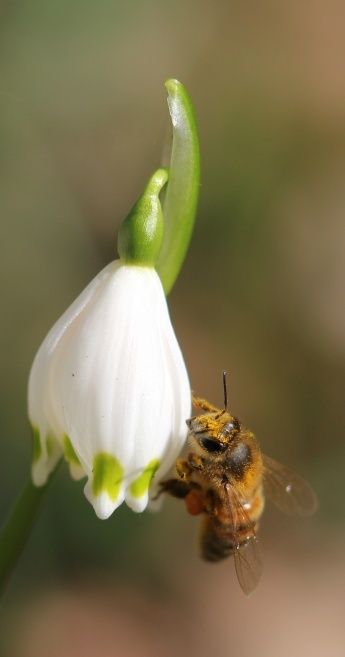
(108, 388)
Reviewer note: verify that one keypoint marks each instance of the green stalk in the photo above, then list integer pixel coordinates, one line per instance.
(180, 203)
(17, 527)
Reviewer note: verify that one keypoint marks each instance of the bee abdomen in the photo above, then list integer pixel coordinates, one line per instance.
(217, 541)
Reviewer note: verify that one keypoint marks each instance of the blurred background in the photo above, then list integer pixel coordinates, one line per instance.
(83, 122)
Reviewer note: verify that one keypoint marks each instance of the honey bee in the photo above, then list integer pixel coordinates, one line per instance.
(225, 477)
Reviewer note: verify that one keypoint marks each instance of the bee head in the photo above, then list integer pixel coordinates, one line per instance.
(212, 432)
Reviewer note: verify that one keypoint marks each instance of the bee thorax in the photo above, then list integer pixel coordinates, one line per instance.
(239, 459)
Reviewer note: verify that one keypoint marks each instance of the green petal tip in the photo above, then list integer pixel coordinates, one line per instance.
(69, 452)
(36, 445)
(141, 485)
(107, 475)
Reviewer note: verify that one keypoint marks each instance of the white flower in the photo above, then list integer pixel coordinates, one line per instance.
(108, 389)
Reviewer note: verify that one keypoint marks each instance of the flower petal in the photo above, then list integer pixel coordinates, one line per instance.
(109, 389)
(45, 423)
(106, 490)
(45, 456)
(119, 384)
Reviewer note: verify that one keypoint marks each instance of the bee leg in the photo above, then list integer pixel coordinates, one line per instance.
(204, 405)
(195, 462)
(175, 487)
(211, 503)
(183, 469)
(179, 487)
(195, 502)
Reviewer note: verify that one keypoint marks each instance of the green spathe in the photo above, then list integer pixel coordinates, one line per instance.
(141, 233)
(69, 452)
(141, 485)
(181, 198)
(107, 475)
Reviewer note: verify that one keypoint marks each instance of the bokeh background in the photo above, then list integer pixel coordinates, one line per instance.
(83, 121)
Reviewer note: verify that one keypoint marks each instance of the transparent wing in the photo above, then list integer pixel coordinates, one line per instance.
(247, 555)
(248, 565)
(289, 492)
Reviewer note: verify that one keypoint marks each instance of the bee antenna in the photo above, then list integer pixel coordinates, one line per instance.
(225, 391)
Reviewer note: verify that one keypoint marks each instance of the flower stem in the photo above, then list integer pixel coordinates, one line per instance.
(17, 527)
(180, 203)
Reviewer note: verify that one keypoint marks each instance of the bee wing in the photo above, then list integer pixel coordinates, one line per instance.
(248, 565)
(247, 555)
(289, 492)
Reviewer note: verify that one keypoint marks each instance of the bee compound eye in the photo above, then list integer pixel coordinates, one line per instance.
(212, 446)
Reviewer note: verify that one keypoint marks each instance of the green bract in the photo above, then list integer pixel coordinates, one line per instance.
(140, 236)
(182, 192)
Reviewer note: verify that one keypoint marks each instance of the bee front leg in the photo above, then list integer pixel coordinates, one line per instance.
(178, 487)
(191, 493)
(204, 405)
(183, 469)
(195, 462)
(175, 487)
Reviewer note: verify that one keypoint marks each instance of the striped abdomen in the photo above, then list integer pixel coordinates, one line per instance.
(222, 533)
